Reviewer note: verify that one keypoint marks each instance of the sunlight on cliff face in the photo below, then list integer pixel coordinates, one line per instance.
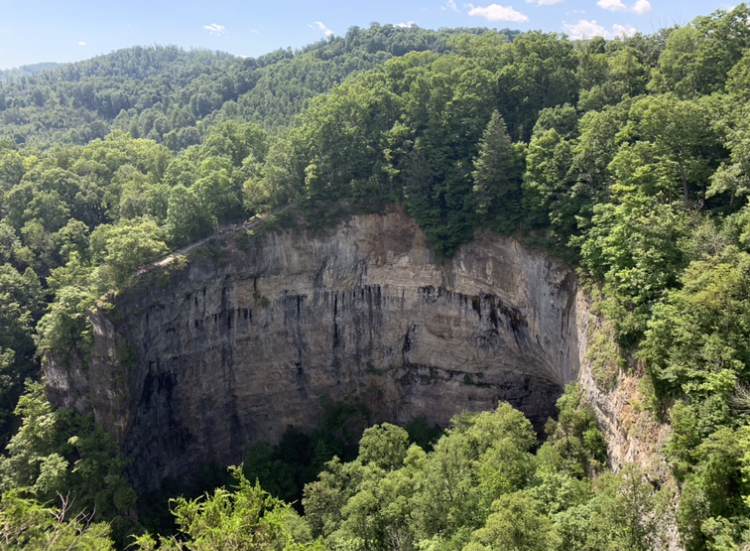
(229, 353)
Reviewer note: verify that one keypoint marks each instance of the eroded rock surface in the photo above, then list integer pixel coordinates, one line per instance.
(241, 342)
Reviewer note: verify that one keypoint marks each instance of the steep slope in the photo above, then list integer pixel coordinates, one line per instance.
(171, 95)
(243, 341)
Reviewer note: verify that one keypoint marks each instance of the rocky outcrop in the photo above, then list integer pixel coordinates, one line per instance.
(632, 432)
(194, 364)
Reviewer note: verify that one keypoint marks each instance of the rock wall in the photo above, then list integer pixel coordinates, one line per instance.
(633, 434)
(195, 365)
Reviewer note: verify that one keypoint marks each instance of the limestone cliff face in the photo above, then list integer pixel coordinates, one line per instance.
(242, 342)
(633, 434)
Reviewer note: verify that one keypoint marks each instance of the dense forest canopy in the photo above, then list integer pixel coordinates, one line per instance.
(629, 158)
(172, 96)
(34, 69)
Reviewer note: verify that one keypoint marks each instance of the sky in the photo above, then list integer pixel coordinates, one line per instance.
(34, 31)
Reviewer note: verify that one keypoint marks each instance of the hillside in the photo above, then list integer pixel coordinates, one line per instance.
(25, 70)
(170, 95)
(620, 166)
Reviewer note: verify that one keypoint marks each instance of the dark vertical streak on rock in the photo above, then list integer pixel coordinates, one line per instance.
(335, 322)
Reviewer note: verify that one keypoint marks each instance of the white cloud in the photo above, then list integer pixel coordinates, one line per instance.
(326, 31)
(450, 4)
(254, 31)
(494, 12)
(408, 25)
(624, 30)
(81, 43)
(215, 29)
(612, 5)
(642, 7)
(544, 2)
(584, 29)
(589, 29)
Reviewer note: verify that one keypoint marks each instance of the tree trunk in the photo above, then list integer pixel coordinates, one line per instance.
(685, 191)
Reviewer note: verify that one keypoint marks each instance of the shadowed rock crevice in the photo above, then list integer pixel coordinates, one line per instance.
(229, 353)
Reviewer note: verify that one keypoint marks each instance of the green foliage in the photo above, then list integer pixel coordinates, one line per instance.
(66, 459)
(515, 523)
(604, 355)
(628, 158)
(696, 341)
(186, 220)
(27, 524)
(410, 130)
(712, 511)
(481, 488)
(676, 147)
(123, 248)
(170, 96)
(245, 519)
(698, 58)
(271, 472)
(497, 177)
(66, 324)
(696, 348)
(624, 512)
(370, 501)
(21, 300)
(633, 247)
(574, 445)
(282, 470)
(608, 78)
(547, 200)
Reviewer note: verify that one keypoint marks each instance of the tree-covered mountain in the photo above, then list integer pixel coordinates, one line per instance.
(33, 69)
(628, 157)
(171, 95)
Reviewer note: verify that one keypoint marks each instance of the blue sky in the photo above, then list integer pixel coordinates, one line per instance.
(33, 31)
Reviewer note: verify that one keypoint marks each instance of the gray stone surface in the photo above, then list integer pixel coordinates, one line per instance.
(241, 343)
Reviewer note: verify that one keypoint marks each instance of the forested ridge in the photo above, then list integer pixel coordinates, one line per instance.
(172, 96)
(629, 158)
(34, 69)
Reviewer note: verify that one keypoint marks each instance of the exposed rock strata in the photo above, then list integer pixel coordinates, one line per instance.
(241, 343)
(632, 432)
